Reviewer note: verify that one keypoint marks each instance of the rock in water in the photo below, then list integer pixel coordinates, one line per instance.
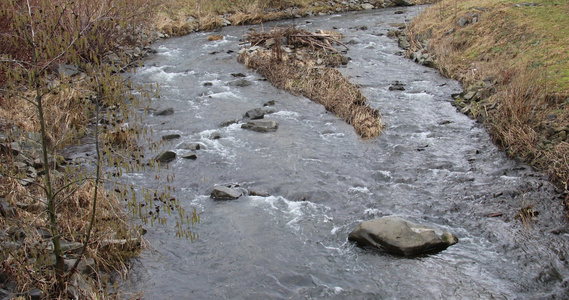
(224, 193)
(165, 112)
(240, 83)
(262, 125)
(165, 157)
(403, 2)
(255, 114)
(400, 236)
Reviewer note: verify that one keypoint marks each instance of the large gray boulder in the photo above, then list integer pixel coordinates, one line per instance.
(400, 236)
(261, 125)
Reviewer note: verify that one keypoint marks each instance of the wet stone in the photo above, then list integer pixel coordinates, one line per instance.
(4, 294)
(13, 147)
(165, 157)
(65, 70)
(7, 210)
(36, 294)
(191, 146)
(261, 125)
(229, 123)
(225, 193)
(259, 193)
(402, 2)
(404, 42)
(71, 247)
(240, 83)
(86, 266)
(397, 86)
(254, 114)
(463, 21)
(165, 112)
(402, 237)
(215, 136)
(468, 96)
(170, 137)
(190, 155)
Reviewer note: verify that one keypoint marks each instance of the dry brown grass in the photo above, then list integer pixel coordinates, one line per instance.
(65, 113)
(29, 264)
(68, 110)
(214, 37)
(207, 14)
(299, 74)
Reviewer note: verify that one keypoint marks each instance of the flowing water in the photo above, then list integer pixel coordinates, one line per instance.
(431, 165)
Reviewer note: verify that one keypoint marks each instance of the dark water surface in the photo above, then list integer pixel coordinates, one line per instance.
(431, 165)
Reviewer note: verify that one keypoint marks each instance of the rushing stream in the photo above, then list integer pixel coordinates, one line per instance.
(431, 165)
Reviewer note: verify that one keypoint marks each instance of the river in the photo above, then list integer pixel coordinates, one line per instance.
(431, 165)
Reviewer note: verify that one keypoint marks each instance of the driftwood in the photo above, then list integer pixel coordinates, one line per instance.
(293, 36)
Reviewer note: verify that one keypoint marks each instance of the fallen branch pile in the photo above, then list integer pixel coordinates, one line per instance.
(296, 38)
(303, 63)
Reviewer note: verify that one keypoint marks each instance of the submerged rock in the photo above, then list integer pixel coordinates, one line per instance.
(261, 125)
(397, 86)
(229, 122)
(225, 193)
(165, 112)
(170, 137)
(400, 236)
(191, 146)
(240, 83)
(190, 155)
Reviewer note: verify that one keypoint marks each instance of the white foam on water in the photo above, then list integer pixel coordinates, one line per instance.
(293, 211)
(360, 189)
(225, 95)
(158, 74)
(422, 95)
(372, 212)
(509, 178)
(335, 229)
(217, 145)
(234, 127)
(285, 114)
(167, 51)
(333, 134)
(216, 44)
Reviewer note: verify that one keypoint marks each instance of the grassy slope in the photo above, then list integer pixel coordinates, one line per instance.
(524, 49)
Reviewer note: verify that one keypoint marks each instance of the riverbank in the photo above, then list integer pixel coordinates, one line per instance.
(183, 17)
(511, 58)
(63, 232)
